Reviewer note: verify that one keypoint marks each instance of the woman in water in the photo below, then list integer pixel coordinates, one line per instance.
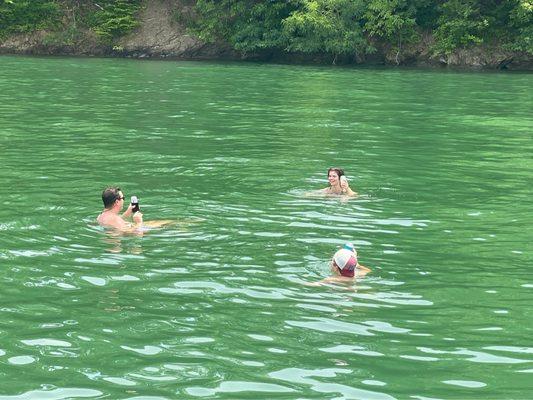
(338, 184)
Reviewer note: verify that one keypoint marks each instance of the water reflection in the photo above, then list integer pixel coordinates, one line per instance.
(115, 242)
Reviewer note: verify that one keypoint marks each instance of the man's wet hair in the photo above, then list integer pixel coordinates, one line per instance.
(110, 195)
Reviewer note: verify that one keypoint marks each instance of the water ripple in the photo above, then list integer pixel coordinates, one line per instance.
(217, 303)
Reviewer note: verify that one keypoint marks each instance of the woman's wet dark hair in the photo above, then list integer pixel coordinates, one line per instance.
(340, 172)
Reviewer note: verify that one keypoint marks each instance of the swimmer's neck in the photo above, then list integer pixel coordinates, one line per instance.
(335, 188)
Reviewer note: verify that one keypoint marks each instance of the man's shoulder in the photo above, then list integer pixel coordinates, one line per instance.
(101, 219)
(113, 221)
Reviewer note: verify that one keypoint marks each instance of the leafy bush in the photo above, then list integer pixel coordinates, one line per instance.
(107, 18)
(329, 26)
(247, 25)
(460, 25)
(346, 26)
(114, 18)
(26, 16)
(336, 27)
(522, 20)
(390, 19)
(68, 36)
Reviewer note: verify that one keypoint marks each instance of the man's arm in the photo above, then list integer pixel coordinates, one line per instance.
(128, 227)
(137, 219)
(127, 213)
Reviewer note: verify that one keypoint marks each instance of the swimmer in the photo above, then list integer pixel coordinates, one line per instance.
(113, 199)
(344, 267)
(338, 184)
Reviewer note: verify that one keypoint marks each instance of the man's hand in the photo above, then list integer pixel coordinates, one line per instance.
(127, 213)
(138, 218)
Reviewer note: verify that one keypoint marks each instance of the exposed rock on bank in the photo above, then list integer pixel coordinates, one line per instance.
(160, 35)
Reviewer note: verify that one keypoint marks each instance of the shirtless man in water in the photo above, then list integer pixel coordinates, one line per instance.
(113, 199)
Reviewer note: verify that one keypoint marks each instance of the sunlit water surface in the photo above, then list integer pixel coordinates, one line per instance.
(215, 305)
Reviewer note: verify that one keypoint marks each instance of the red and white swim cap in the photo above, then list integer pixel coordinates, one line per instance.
(346, 260)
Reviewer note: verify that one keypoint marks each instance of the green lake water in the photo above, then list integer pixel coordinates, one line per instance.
(215, 305)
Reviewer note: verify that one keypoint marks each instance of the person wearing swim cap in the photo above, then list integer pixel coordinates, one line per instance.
(344, 266)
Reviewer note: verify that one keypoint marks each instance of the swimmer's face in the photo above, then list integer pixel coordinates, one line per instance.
(334, 268)
(120, 199)
(333, 178)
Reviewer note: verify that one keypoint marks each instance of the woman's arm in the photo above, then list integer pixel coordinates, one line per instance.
(350, 192)
(331, 279)
(346, 190)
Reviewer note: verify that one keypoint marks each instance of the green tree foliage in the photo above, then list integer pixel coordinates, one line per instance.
(107, 18)
(114, 18)
(521, 19)
(460, 24)
(350, 26)
(390, 19)
(25, 16)
(329, 26)
(335, 27)
(247, 25)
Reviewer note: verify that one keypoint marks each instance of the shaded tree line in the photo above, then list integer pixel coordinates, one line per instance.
(333, 27)
(108, 19)
(347, 27)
